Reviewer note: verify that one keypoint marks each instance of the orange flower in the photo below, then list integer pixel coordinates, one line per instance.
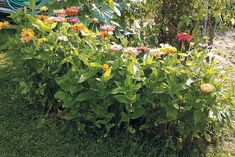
(27, 35)
(4, 24)
(42, 17)
(71, 11)
(77, 27)
(104, 35)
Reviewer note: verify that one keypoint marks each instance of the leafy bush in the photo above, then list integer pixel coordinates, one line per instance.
(160, 21)
(79, 68)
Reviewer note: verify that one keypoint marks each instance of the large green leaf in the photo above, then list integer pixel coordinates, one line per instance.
(103, 12)
(122, 99)
(140, 111)
(84, 96)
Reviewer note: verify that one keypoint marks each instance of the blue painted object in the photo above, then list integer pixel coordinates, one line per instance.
(7, 6)
(15, 4)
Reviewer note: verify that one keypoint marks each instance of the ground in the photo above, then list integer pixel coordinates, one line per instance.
(24, 131)
(224, 46)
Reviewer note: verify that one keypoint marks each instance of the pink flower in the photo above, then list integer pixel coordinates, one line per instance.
(115, 48)
(74, 20)
(131, 51)
(108, 28)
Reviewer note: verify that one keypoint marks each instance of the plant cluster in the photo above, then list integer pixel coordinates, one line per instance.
(111, 85)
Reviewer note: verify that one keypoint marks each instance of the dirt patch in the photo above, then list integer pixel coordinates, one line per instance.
(224, 48)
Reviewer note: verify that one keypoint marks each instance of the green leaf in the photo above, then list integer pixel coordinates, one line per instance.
(171, 113)
(144, 126)
(131, 129)
(232, 21)
(71, 115)
(38, 24)
(124, 42)
(32, 4)
(84, 96)
(84, 77)
(124, 117)
(118, 90)
(103, 12)
(207, 137)
(122, 99)
(65, 98)
(197, 116)
(140, 111)
(117, 11)
(61, 95)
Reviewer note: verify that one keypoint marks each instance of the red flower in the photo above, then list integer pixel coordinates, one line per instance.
(71, 11)
(185, 37)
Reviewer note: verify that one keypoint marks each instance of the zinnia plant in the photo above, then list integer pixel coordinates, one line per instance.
(115, 85)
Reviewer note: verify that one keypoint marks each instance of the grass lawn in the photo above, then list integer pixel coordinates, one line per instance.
(25, 132)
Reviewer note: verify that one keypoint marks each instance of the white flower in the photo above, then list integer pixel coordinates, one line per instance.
(131, 51)
(63, 38)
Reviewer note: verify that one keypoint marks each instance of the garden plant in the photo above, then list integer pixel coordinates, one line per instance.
(107, 77)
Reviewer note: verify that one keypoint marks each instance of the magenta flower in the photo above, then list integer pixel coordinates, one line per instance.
(74, 20)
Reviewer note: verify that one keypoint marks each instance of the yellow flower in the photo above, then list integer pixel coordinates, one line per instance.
(105, 67)
(42, 40)
(43, 9)
(107, 71)
(27, 35)
(23, 9)
(166, 49)
(207, 88)
(4, 24)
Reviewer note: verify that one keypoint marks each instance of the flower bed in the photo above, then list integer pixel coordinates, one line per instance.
(114, 85)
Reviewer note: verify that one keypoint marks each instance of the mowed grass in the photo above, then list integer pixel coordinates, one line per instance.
(26, 132)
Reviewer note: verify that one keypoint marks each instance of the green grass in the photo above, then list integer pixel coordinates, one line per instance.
(26, 132)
